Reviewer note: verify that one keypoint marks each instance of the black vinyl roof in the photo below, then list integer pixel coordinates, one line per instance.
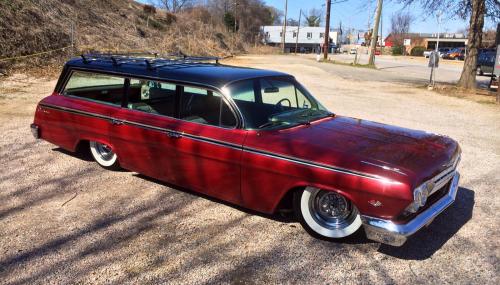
(195, 70)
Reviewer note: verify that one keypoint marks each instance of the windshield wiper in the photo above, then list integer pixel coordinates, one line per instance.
(316, 113)
(270, 124)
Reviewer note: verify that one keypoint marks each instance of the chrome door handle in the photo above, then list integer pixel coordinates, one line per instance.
(173, 135)
(116, 122)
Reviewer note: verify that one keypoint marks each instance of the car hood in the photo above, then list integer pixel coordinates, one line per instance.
(367, 146)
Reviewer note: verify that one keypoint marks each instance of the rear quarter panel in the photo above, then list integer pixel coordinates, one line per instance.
(64, 121)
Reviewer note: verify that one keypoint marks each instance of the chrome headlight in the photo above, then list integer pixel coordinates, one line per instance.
(420, 196)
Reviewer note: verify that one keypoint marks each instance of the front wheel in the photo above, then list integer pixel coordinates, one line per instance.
(104, 155)
(326, 214)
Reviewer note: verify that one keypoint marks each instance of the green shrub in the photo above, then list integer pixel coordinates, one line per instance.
(397, 50)
(417, 51)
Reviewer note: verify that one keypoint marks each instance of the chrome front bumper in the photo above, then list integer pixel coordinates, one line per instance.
(385, 231)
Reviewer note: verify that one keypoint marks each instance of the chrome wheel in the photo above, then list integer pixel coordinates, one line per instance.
(329, 213)
(103, 154)
(331, 210)
(104, 151)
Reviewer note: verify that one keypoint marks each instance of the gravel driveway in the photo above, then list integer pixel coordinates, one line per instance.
(63, 219)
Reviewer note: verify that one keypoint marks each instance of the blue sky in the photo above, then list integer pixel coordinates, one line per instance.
(354, 13)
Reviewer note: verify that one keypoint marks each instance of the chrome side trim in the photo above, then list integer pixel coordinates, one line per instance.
(388, 232)
(316, 164)
(230, 145)
(385, 167)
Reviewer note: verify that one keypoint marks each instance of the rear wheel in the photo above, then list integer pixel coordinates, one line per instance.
(326, 214)
(104, 155)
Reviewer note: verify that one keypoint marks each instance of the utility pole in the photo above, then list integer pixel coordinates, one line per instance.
(381, 37)
(298, 30)
(283, 35)
(439, 29)
(373, 44)
(326, 45)
(369, 22)
(434, 72)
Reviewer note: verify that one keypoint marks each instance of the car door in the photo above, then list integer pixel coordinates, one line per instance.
(208, 145)
(140, 133)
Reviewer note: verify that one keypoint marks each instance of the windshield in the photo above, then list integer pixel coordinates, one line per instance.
(275, 102)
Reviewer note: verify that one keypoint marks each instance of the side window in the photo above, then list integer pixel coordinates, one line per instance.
(205, 107)
(96, 87)
(152, 97)
(243, 91)
(302, 101)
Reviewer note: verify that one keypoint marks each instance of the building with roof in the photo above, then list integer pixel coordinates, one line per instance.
(307, 39)
(428, 40)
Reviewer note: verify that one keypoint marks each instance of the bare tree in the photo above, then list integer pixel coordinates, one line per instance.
(174, 6)
(400, 26)
(149, 10)
(292, 22)
(313, 18)
(476, 11)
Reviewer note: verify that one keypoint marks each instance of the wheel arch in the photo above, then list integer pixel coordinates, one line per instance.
(286, 200)
(82, 145)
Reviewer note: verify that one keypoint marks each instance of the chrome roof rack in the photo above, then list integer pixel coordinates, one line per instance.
(149, 60)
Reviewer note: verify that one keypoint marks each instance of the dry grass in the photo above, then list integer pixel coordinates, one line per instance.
(111, 25)
(477, 95)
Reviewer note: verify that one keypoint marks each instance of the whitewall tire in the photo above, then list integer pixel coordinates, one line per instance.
(326, 214)
(104, 155)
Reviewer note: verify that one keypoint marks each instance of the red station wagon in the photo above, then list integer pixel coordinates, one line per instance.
(254, 138)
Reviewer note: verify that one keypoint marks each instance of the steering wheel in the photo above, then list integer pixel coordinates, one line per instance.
(283, 100)
(145, 91)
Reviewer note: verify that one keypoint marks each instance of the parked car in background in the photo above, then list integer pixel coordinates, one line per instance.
(455, 54)
(443, 51)
(253, 138)
(486, 62)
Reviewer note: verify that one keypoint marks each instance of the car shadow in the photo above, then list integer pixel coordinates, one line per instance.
(428, 240)
(419, 247)
(82, 155)
(279, 217)
(285, 217)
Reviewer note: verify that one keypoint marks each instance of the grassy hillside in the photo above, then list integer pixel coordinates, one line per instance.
(31, 26)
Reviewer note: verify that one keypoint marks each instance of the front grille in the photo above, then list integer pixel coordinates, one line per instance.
(441, 187)
(433, 198)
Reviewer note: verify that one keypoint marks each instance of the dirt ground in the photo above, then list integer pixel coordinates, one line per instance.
(63, 219)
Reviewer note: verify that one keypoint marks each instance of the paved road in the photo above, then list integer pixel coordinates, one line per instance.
(414, 69)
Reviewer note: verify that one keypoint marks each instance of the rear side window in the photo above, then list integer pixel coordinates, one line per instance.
(96, 87)
(152, 97)
(205, 107)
